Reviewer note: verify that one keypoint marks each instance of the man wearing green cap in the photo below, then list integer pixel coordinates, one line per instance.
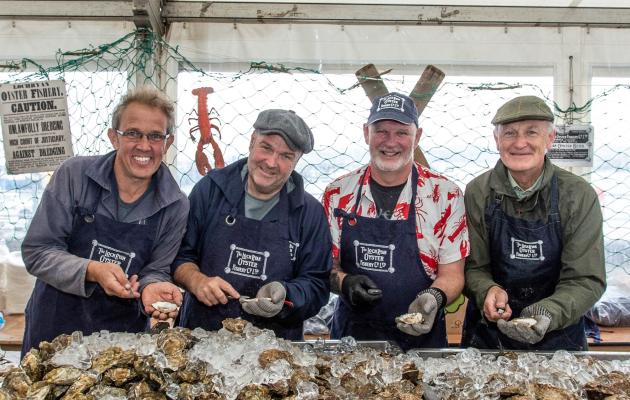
(536, 263)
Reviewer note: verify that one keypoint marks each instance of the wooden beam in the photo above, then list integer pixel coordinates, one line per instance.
(395, 14)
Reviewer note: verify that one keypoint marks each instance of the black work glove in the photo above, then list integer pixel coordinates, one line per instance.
(359, 290)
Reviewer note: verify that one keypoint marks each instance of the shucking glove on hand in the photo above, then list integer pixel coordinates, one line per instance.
(524, 332)
(428, 302)
(360, 290)
(268, 301)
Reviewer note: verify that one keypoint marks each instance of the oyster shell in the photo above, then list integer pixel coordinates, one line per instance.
(100, 391)
(17, 382)
(32, 365)
(173, 341)
(138, 390)
(85, 381)
(608, 385)
(254, 392)
(77, 396)
(63, 375)
(528, 322)
(267, 357)
(234, 325)
(548, 392)
(39, 391)
(118, 376)
(410, 318)
(113, 357)
(165, 306)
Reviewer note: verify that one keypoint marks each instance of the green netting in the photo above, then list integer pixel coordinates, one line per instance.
(457, 135)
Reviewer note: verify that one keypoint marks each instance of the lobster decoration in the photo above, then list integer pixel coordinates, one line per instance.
(205, 128)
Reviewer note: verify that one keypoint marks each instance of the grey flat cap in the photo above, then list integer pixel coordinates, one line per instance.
(287, 124)
(522, 108)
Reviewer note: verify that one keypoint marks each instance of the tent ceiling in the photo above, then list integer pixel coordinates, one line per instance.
(592, 13)
(519, 3)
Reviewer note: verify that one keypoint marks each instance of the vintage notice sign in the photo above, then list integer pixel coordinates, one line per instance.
(35, 126)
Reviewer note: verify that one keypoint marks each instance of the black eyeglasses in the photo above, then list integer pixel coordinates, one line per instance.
(136, 136)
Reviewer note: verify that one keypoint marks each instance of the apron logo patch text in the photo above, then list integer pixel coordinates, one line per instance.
(374, 257)
(293, 248)
(107, 254)
(522, 250)
(248, 263)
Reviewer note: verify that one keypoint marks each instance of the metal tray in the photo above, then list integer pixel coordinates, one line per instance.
(598, 355)
(331, 345)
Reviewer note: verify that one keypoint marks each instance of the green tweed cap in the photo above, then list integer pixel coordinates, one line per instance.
(522, 108)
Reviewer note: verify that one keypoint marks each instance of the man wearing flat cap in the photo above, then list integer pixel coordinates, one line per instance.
(399, 237)
(536, 261)
(257, 245)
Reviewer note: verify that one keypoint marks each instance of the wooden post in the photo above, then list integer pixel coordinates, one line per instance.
(371, 81)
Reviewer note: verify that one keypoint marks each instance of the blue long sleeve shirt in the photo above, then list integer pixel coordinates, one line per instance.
(309, 288)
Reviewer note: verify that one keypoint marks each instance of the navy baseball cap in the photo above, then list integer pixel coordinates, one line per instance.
(394, 106)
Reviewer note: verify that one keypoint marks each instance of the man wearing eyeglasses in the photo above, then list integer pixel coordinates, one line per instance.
(257, 244)
(107, 229)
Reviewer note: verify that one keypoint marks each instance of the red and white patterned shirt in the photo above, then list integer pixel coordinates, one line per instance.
(440, 216)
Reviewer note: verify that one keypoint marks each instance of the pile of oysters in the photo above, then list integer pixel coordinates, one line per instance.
(243, 362)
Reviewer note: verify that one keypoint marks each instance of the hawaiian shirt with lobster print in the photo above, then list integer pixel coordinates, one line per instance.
(439, 210)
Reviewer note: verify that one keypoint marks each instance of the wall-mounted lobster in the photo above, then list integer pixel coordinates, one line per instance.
(205, 127)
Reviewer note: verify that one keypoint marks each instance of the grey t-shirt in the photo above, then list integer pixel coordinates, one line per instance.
(124, 209)
(257, 208)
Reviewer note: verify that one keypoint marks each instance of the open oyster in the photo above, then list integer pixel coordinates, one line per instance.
(410, 318)
(164, 306)
(528, 322)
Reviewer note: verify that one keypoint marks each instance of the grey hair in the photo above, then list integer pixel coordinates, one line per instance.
(550, 128)
(148, 96)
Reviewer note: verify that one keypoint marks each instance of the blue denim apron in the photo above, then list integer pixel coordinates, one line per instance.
(51, 312)
(525, 258)
(248, 254)
(387, 252)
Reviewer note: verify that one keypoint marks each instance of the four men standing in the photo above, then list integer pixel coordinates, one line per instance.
(258, 246)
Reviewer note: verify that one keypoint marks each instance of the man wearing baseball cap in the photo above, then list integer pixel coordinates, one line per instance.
(536, 262)
(399, 237)
(257, 245)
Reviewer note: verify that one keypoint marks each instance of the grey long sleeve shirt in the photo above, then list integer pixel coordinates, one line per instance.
(45, 248)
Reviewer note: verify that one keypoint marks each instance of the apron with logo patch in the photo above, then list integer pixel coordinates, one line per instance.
(526, 263)
(248, 254)
(51, 312)
(387, 252)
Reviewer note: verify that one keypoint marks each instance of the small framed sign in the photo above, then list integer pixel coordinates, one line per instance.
(573, 146)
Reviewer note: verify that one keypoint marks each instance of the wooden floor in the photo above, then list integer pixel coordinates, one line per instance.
(613, 339)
